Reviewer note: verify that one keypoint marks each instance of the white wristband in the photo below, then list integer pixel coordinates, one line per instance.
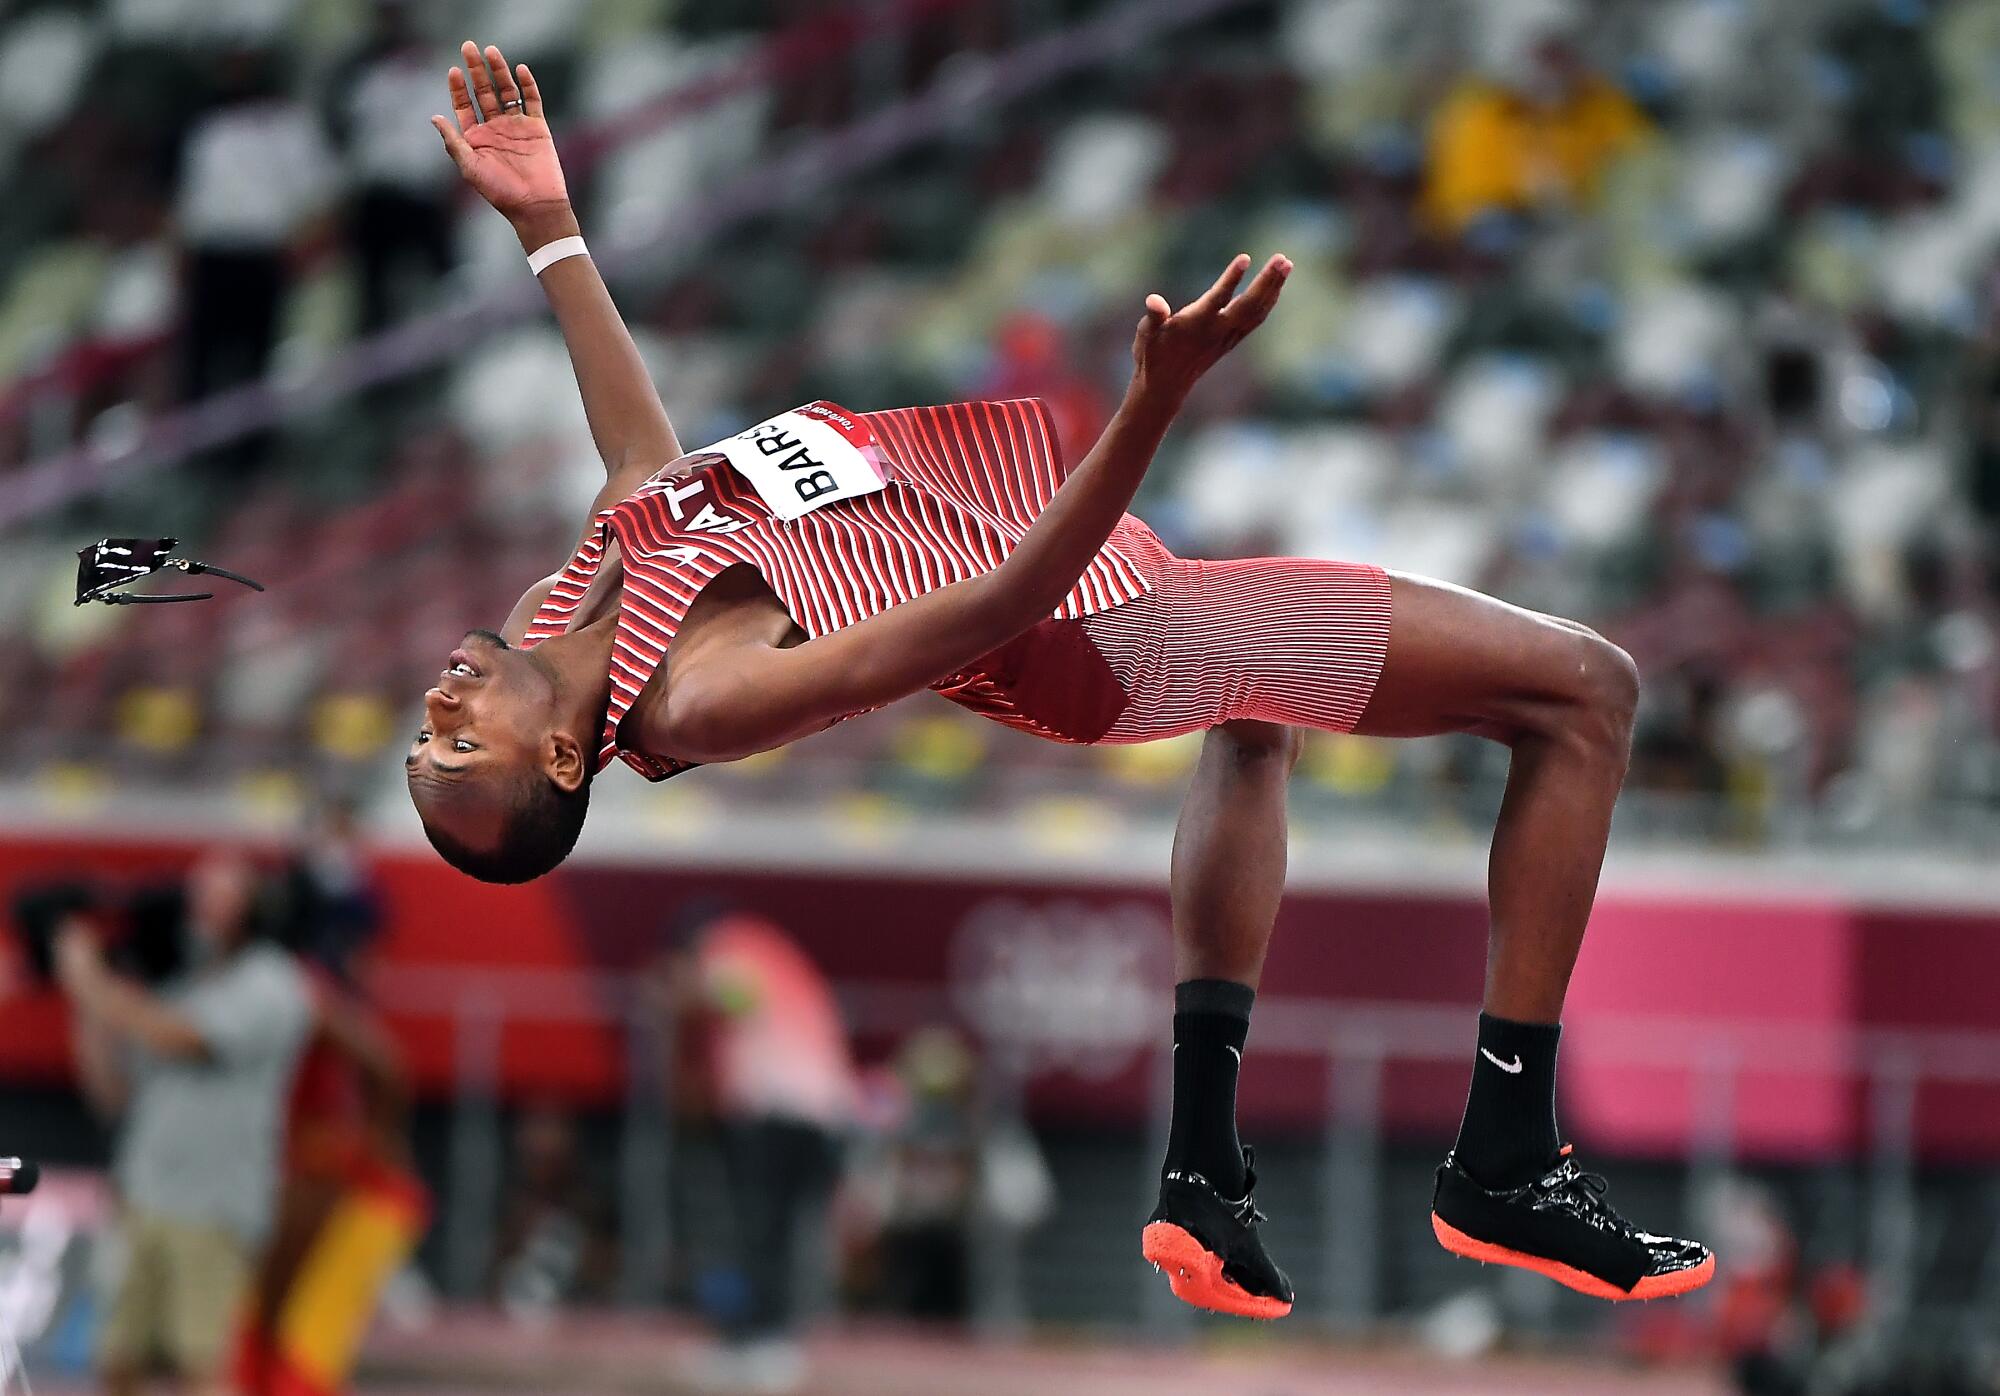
(547, 255)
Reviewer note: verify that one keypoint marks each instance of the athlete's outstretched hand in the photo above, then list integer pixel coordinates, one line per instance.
(499, 141)
(1173, 348)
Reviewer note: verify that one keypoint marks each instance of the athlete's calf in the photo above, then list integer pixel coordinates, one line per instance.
(1228, 876)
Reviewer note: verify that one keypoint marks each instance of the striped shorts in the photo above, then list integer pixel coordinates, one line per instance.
(1290, 640)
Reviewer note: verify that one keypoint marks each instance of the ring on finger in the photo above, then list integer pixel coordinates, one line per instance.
(516, 102)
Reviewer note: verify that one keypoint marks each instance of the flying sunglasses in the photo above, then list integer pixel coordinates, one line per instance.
(112, 563)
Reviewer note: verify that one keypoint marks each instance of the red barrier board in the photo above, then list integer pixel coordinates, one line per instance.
(1791, 997)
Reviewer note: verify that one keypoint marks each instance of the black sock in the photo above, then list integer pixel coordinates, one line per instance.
(1508, 1136)
(1211, 1024)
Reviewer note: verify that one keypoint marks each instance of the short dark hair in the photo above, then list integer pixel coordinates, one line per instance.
(540, 830)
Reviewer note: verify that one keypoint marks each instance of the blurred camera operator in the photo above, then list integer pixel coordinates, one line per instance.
(196, 1073)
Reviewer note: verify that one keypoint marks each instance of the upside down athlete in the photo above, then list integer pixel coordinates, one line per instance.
(827, 562)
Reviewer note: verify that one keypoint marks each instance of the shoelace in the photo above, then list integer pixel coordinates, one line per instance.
(1243, 1208)
(1584, 1190)
(1246, 1209)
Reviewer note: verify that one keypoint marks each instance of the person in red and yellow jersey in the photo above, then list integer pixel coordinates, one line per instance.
(350, 1209)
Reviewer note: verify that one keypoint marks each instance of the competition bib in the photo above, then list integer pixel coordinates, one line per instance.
(807, 458)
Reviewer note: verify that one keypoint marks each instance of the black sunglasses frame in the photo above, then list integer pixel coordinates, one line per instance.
(111, 563)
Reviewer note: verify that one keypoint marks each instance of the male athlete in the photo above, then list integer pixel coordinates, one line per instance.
(827, 562)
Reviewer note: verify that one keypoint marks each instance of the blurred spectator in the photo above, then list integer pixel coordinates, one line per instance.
(399, 210)
(331, 902)
(255, 175)
(555, 1239)
(1789, 1323)
(1545, 137)
(1894, 93)
(767, 1056)
(350, 1207)
(1034, 361)
(951, 1172)
(196, 1071)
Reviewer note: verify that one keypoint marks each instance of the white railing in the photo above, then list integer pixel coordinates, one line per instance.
(1357, 1041)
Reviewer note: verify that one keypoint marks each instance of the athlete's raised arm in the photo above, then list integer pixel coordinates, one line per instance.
(1171, 350)
(742, 699)
(501, 143)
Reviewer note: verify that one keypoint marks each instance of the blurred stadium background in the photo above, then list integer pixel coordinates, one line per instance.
(1681, 317)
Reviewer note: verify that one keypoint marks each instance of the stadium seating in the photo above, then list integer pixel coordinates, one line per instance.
(1743, 423)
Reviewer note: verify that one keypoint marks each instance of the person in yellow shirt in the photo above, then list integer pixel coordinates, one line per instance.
(1514, 147)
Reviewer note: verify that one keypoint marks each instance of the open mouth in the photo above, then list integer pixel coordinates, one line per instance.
(462, 665)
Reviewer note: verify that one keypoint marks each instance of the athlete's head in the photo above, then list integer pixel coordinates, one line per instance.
(501, 786)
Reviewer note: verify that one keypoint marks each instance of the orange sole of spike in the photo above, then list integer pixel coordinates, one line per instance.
(1650, 1287)
(1195, 1274)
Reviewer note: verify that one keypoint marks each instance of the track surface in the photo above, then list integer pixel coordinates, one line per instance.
(473, 1355)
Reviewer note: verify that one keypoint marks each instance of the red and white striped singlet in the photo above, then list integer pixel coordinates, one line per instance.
(1147, 645)
(965, 483)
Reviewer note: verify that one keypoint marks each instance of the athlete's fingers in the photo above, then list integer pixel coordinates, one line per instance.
(1248, 310)
(454, 143)
(503, 80)
(1215, 296)
(461, 101)
(531, 91)
(482, 81)
(1148, 328)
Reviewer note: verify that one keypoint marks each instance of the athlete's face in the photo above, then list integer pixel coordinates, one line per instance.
(487, 723)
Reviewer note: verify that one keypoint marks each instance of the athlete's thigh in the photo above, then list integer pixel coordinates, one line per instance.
(1460, 661)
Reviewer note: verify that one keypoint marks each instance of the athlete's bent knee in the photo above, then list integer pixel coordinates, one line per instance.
(1606, 693)
(1249, 744)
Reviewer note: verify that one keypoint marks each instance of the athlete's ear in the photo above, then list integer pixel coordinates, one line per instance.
(563, 760)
